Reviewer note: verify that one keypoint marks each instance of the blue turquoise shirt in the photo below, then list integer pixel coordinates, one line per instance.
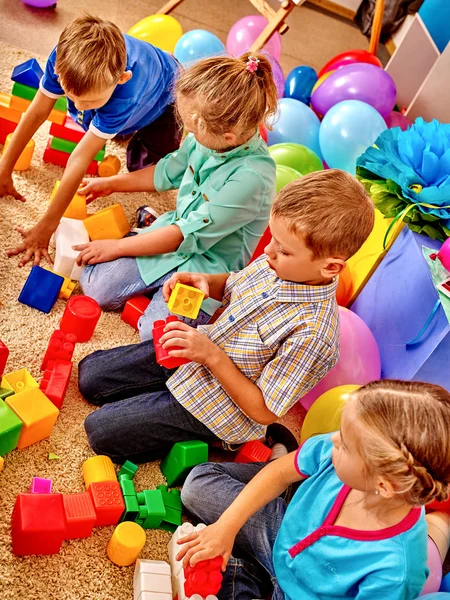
(316, 560)
(134, 104)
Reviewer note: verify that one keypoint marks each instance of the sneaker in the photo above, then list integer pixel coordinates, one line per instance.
(145, 216)
(279, 434)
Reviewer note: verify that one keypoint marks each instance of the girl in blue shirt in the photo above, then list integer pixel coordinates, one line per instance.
(355, 528)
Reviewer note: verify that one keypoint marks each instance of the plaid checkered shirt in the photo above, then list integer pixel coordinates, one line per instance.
(283, 336)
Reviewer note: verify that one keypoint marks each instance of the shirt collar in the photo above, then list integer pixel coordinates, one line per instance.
(247, 148)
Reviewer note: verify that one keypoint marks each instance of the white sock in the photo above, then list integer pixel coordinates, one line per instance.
(278, 450)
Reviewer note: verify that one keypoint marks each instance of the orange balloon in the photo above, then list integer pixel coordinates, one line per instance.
(345, 287)
(321, 80)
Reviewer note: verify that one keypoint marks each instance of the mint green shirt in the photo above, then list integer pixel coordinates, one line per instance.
(222, 210)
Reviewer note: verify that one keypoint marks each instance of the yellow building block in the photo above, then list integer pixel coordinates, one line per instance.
(19, 381)
(125, 544)
(24, 160)
(37, 413)
(2, 463)
(77, 206)
(107, 224)
(185, 301)
(109, 166)
(6, 111)
(98, 468)
(20, 104)
(67, 287)
(363, 264)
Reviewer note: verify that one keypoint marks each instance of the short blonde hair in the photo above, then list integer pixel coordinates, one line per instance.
(405, 437)
(229, 95)
(330, 210)
(91, 55)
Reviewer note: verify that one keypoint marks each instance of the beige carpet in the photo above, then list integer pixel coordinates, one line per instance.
(81, 570)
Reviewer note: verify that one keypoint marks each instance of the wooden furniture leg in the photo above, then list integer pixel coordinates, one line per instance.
(376, 26)
(275, 23)
(169, 6)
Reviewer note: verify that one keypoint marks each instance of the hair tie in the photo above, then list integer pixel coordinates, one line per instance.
(252, 64)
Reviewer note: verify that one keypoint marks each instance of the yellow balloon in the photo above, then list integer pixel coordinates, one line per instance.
(324, 416)
(163, 31)
(321, 80)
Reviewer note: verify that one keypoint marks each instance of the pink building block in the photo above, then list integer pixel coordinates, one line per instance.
(4, 352)
(40, 485)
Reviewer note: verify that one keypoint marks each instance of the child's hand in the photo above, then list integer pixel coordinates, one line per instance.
(214, 540)
(7, 188)
(96, 188)
(98, 251)
(195, 345)
(35, 241)
(196, 280)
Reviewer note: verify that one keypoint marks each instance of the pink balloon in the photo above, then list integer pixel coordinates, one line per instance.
(396, 119)
(444, 254)
(40, 3)
(359, 361)
(433, 582)
(245, 31)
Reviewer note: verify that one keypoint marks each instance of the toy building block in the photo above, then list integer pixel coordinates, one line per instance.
(181, 459)
(19, 104)
(80, 317)
(67, 287)
(131, 512)
(152, 580)
(126, 543)
(98, 469)
(37, 413)
(5, 392)
(68, 147)
(107, 224)
(40, 485)
(56, 157)
(205, 579)
(6, 112)
(77, 206)
(177, 565)
(41, 289)
(38, 524)
(60, 347)
(134, 309)
(55, 381)
(6, 127)
(69, 130)
(28, 93)
(24, 160)
(79, 514)
(4, 353)
(28, 73)
(163, 357)
(128, 468)
(173, 506)
(185, 300)
(69, 233)
(57, 116)
(152, 509)
(252, 452)
(127, 486)
(10, 428)
(109, 166)
(2, 463)
(108, 502)
(19, 381)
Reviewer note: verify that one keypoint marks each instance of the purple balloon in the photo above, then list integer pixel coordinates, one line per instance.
(396, 119)
(245, 31)
(278, 75)
(359, 81)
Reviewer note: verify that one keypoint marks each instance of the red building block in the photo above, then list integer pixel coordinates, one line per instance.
(134, 309)
(162, 356)
(108, 502)
(55, 381)
(204, 579)
(56, 157)
(6, 127)
(4, 353)
(38, 524)
(253, 452)
(60, 347)
(70, 130)
(80, 317)
(80, 515)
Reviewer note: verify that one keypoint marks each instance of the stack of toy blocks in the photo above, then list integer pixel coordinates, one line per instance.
(152, 580)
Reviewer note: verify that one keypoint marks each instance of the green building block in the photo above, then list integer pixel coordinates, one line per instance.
(127, 487)
(131, 512)
(25, 91)
(174, 508)
(181, 459)
(140, 522)
(10, 428)
(69, 147)
(5, 392)
(128, 468)
(152, 508)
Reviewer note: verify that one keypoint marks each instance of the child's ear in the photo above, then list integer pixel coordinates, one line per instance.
(385, 488)
(126, 76)
(230, 138)
(332, 267)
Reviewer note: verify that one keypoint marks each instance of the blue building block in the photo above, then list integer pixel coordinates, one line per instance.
(28, 73)
(41, 289)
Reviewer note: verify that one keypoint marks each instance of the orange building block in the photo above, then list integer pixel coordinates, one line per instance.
(79, 514)
(109, 166)
(98, 468)
(77, 206)
(2, 463)
(37, 413)
(107, 224)
(6, 112)
(57, 116)
(21, 105)
(108, 502)
(24, 160)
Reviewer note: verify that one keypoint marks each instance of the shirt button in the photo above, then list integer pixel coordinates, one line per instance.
(185, 256)
(231, 318)
(264, 294)
(177, 218)
(205, 220)
(194, 192)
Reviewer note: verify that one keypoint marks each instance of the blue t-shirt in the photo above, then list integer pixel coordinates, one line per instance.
(134, 104)
(316, 560)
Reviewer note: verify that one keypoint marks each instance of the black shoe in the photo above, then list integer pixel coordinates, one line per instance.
(279, 434)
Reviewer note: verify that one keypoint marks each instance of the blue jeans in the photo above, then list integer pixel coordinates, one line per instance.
(139, 420)
(113, 283)
(208, 491)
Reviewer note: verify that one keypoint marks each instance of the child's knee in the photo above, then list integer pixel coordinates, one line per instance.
(191, 492)
(96, 434)
(88, 379)
(97, 287)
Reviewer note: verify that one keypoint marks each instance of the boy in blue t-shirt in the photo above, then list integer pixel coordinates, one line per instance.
(115, 84)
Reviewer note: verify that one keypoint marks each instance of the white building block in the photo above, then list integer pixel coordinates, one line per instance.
(152, 580)
(177, 565)
(70, 232)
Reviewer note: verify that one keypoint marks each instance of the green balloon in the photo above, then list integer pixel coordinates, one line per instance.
(285, 175)
(296, 156)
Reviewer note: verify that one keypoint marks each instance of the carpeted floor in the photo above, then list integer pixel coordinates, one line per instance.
(81, 570)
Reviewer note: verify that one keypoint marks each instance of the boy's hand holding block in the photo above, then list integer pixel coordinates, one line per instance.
(185, 300)
(163, 357)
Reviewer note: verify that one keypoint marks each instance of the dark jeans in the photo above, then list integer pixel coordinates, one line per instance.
(139, 420)
(208, 491)
(156, 140)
